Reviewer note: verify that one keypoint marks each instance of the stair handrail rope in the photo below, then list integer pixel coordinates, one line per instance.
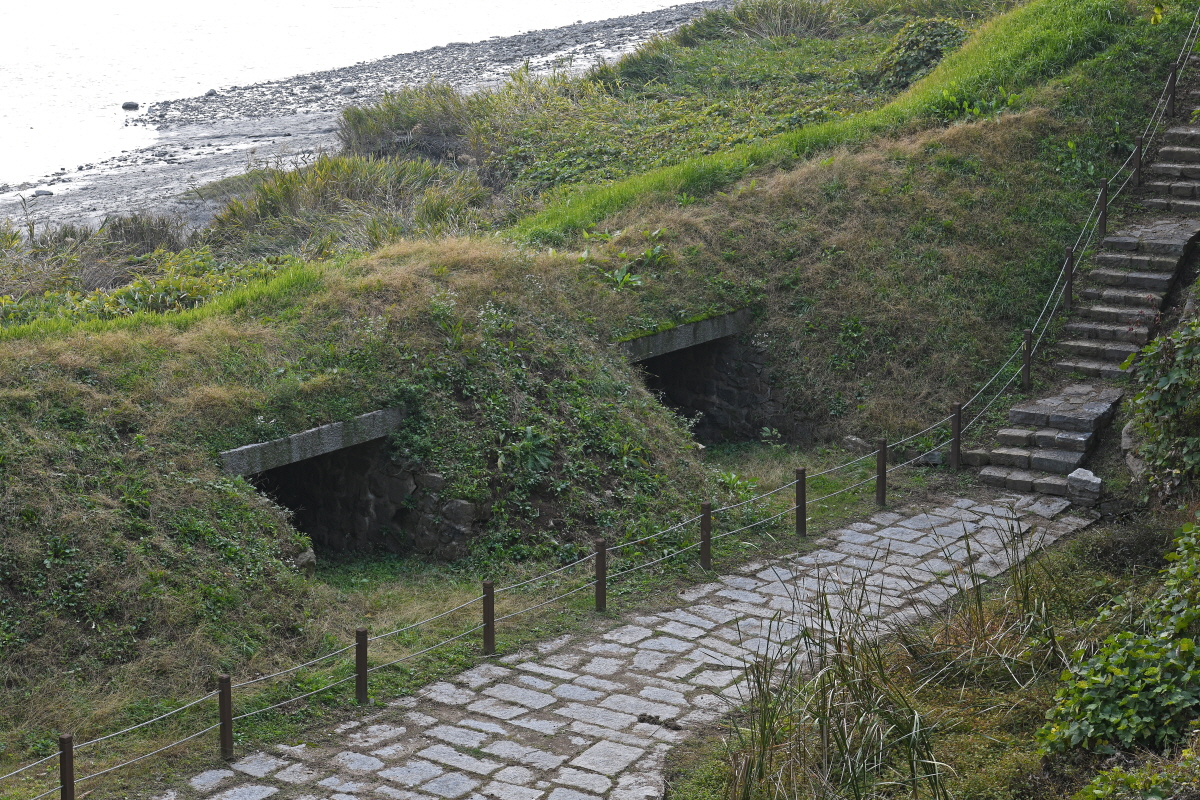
(262, 678)
(677, 525)
(31, 765)
(552, 573)
(142, 757)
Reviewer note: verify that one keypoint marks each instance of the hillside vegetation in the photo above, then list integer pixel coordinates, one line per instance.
(887, 187)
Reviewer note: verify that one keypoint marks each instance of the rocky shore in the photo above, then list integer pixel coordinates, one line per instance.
(288, 122)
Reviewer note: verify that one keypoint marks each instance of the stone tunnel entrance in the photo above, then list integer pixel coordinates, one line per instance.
(705, 369)
(349, 494)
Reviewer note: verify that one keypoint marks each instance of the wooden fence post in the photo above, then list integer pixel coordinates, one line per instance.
(601, 575)
(802, 502)
(1172, 79)
(1026, 358)
(489, 618)
(956, 437)
(706, 536)
(360, 665)
(1137, 162)
(225, 714)
(66, 766)
(881, 474)
(1103, 224)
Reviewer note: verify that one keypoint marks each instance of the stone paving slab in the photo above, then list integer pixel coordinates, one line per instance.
(593, 715)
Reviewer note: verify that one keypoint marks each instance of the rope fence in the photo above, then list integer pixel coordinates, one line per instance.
(1060, 296)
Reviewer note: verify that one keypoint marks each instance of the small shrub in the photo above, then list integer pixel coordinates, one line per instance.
(1142, 687)
(1168, 407)
(916, 50)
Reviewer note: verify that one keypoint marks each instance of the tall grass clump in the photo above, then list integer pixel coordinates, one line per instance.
(827, 716)
(81, 258)
(350, 200)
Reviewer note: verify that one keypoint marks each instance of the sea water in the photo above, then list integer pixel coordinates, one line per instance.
(67, 67)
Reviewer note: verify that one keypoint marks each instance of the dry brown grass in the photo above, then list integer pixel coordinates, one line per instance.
(894, 277)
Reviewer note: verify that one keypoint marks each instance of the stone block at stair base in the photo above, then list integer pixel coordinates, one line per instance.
(1051, 484)
(1020, 481)
(995, 476)
(1083, 487)
(976, 458)
(1058, 461)
(1011, 457)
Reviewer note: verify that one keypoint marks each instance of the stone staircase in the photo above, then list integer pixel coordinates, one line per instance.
(1123, 295)
(1050, 439)
(1118, 308)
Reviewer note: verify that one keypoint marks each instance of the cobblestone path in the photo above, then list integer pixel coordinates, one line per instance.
(593, 715)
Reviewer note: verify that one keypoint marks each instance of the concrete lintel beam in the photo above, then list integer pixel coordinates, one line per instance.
(689, 335)
(252, 459)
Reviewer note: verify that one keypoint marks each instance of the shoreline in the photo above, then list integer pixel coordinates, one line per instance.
(293, 120)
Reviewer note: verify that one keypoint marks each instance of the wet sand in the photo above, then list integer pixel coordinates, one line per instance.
(288, 122)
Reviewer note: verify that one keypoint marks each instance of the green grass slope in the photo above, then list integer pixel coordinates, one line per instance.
(891, 259)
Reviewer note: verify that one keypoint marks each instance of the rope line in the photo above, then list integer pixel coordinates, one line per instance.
(426, 650)
(82, 745)
(147, 755)
(424, 621)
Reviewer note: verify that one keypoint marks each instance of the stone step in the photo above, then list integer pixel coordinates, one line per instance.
(1134, 261)
(1146, 244)
(1109, 370)
(1118, 314)
(1186, 135)
(1048, 438)
(1104, 331)
(1179, 205)
(1155, 281)
(1060, 462)
(1020, 480)
(1079, 407)
(1183, 189)
(1143, 298)
(1099, 349)
(1180, 154)
(1170, 170)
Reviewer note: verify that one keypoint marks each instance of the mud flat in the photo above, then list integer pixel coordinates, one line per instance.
(288, 122)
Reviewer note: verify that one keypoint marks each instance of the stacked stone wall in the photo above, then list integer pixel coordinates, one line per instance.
(359, 499)
(727, 383)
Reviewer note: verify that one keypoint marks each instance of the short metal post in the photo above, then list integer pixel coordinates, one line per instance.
(66, 766)
(1026, 358)
(1137, 161)
(601, 575)
(802, 502)
(1171, 80)
(1103, 224)
(1069, 292)
(956, 437)
(881, 474)
(225, 714)
(706, 536)
(360, 665)
(489, 618)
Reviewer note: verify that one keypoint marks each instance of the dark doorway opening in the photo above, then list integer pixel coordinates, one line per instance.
(723, 381)
(352, 499)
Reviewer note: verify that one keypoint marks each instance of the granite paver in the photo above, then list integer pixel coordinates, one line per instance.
(593, 715)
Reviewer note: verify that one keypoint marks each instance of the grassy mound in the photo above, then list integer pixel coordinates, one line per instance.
(886, 274)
